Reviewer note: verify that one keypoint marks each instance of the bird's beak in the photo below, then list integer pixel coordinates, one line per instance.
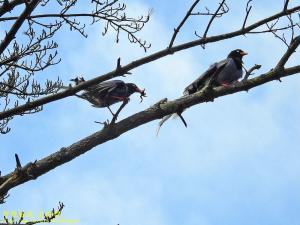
(244, 53)
(141, 91)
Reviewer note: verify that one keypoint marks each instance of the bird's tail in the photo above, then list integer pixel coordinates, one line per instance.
(165, 118)
(82, 96)
(175, 115)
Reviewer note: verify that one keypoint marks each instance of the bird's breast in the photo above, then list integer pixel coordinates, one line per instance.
(230, 73)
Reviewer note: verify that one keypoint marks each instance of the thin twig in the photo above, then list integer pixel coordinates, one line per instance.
(248, 9)
(212, 18)
(12, 32)
(188, 14)
(136, 63)
(286, 3)
(291, 49)
(249, 72)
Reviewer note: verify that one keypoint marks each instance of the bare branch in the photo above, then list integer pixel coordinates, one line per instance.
(291, 49)
(274, 32)
(7, 6)
(21, 59)
(286, 3)
(155, 56)
(249, 72)
(213, 17)
(188, 14)
(223, 11)
(11, 34)
(114, 17)
(64, 155)
(248, 9)
(49, 217)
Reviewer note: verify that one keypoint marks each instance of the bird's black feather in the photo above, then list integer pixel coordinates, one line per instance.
(223, 73)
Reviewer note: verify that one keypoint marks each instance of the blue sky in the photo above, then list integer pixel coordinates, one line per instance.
(237, 163)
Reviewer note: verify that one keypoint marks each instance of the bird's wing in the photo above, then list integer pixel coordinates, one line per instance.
(200, 81)
(103, 88)
(230, 73)
(222, 63)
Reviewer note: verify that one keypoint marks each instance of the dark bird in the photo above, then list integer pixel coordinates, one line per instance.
(108, 93)
(223, 73)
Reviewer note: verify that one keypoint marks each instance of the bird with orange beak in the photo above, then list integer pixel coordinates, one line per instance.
(222, 73)
(225, 72)
(108, 93)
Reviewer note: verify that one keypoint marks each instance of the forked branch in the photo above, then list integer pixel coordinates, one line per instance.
(64, 155)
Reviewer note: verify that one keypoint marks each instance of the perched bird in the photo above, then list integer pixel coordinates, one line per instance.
(225, 73)
(108, 93)
(222, 73)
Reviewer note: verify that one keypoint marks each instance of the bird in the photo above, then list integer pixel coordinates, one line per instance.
(108, 93)
(222, 73)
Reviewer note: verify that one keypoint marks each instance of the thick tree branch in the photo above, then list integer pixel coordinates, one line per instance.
(33, 170)
(155, 56)
(7, 6)
(12, 32)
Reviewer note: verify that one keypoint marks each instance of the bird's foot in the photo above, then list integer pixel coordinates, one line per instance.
(126, 100)
(225, 84)
(105, 123)
(235, 83)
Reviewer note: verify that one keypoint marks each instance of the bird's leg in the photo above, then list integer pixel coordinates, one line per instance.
(125, 101)
(110, 111)
(105, 123)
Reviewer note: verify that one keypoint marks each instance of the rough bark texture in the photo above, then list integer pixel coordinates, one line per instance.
(124, 69)
(33, 170)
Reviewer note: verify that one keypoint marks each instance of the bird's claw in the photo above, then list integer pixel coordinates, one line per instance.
(225, 85)
(78, 80)
(143, 94)
(105, 123)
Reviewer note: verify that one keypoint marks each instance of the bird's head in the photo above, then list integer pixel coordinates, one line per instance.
(132, 88)
(237, 54)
